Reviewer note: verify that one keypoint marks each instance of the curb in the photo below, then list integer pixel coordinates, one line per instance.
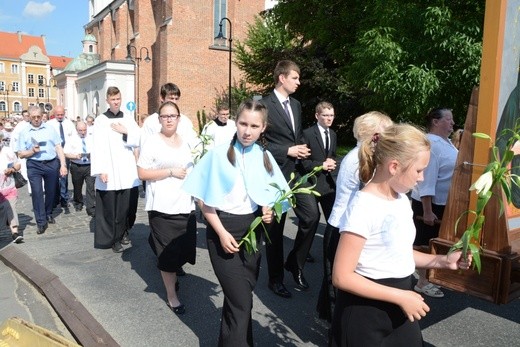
(81, 324)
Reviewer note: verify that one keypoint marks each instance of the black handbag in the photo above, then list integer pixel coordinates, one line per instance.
(19, 181)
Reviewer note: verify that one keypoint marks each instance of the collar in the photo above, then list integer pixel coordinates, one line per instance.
(322, 129)
(281, 98)
(219, 123)
(110, 114)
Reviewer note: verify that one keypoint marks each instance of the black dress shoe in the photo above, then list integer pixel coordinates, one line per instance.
(51, 220)
(309, 259)
(301, 282)
(41, 228)
(279, 289)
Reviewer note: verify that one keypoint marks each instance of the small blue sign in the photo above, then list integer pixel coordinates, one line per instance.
(130, 106)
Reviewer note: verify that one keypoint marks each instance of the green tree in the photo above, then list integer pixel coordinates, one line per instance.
(397, 56)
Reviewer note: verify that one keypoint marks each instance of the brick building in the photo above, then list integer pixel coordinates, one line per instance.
(178, 36)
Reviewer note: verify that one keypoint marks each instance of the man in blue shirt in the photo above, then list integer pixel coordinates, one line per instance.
(40, 144)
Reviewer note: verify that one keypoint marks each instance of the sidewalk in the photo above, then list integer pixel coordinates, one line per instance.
(124, 293)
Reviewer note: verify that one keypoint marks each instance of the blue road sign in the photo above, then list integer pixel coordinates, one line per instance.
(130, 106)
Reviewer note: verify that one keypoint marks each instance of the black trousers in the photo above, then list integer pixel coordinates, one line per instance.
(81, 174)
(425, 232)
(327, 295)
(237, 274)
(112, 209)
(308, 218)
(48, 171)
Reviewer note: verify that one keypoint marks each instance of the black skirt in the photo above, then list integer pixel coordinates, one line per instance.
(359, 321)
(173, 238)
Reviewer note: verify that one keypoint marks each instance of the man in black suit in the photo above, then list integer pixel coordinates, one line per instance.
(284, 137)
(322, 140)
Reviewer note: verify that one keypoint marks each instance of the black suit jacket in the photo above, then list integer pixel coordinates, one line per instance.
(312, 137)
(279, 133)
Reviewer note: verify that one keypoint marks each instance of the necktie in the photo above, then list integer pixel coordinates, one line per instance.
(327, 142)
(84, 150)
(286, 108)
(62, 135)
(287, 113)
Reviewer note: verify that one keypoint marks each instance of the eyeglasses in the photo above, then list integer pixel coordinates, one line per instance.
(169, 116)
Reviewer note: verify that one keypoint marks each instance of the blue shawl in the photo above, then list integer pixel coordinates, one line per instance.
(213, 177)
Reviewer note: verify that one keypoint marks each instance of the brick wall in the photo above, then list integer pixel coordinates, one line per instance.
(179, 47)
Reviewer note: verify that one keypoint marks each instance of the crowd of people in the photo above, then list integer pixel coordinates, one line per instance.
(369, 257)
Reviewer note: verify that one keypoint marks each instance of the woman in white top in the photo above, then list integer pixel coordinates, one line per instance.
(347, 184)
(429, 197)
(375, 259)
(164, 161)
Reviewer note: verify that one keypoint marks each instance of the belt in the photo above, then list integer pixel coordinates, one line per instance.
(44, 161)
(79, 164)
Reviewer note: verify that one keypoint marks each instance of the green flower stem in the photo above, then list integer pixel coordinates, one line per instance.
(249, 240)
(497, 173)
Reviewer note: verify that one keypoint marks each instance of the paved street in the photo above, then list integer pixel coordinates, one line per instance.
(124, 293)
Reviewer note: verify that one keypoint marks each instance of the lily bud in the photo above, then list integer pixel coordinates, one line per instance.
(483, 183)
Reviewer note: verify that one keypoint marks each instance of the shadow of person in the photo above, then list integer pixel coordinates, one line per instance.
(200, 295)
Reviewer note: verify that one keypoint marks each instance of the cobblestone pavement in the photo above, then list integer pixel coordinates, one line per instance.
(124, 292)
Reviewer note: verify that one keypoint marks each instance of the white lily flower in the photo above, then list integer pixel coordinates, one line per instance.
(483, 184)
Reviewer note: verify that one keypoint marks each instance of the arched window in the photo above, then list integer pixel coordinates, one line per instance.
(2, 106)
(17, 107)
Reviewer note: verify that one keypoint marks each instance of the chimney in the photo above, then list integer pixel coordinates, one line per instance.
(43, 39)
(19, 36)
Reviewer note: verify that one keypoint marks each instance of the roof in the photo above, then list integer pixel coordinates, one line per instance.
(15, 44)
(59, 62)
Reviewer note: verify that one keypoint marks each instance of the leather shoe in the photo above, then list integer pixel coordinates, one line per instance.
(41, 228)
(309, 259)
(279, 289)
(301, 282)
(51, 220)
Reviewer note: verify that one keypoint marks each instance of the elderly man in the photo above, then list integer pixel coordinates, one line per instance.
(77, 150)
(41, 145)
(65, 128)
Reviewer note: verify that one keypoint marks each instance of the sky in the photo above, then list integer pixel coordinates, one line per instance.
(61, 21)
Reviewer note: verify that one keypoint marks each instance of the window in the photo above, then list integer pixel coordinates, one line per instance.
(31, 92)
(14, 69)
(2, 86)
(17, 107)
(2, 106)
(2, 68)
(16, 87)
(41, 92)
(40, 80)
(219, 12)
(30, 78)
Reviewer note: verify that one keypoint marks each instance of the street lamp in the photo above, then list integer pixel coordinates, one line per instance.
(221, 41)
(41, 84)
(136, 63)
(6, 93)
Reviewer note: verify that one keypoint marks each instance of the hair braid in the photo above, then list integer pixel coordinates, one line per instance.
(231, 150)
